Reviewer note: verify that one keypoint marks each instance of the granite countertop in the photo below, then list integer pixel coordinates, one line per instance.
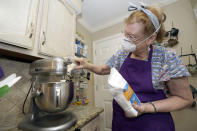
(84, 114)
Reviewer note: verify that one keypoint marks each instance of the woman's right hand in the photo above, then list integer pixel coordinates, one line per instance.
(80, 63)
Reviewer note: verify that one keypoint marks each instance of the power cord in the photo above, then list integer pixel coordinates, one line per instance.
(23, 109)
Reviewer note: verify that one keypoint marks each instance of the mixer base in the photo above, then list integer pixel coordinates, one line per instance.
(57, 122)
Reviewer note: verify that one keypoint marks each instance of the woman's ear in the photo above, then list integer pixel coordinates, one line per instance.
(151, 40)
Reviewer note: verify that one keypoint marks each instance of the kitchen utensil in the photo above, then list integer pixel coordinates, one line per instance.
(5, 88)
(7, 79)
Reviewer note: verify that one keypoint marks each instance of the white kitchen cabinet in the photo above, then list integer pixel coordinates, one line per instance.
(58, 29)
(18, 22)
(93, 125)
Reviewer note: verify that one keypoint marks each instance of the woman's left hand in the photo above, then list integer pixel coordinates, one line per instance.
(143, 108)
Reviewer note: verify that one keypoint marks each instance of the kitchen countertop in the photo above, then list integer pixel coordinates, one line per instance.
(84, 114)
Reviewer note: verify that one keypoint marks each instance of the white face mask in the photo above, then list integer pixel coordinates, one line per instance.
(129, 46)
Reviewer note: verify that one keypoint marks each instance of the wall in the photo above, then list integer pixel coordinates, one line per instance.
(11, 103)
(194, 5)
(181, 13)
(110, 31)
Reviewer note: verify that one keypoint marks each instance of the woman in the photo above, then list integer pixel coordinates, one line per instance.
(149, 70)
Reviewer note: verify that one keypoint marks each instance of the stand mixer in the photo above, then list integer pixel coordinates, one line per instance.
(52, 92)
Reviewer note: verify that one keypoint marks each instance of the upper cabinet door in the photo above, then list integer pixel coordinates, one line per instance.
(57, 29)
(18, 22)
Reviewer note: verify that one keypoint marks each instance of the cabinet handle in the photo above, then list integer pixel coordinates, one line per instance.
(43, 42)
(30, 36)
(31, 30)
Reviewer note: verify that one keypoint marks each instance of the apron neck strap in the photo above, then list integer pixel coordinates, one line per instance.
(150, 53)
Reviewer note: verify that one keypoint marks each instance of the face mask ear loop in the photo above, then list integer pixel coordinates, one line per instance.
(147, 46)
(156, 31)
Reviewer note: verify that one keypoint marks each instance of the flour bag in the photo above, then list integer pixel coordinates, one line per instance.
(123, 93)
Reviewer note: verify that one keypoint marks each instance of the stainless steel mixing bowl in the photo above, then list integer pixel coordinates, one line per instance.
(54, 96)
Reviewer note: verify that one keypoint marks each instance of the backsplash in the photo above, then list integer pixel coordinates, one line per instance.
(11, 103)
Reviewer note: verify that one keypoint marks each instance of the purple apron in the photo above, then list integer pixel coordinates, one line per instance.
(138, 74)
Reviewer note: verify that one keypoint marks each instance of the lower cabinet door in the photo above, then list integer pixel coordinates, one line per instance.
(93, 125)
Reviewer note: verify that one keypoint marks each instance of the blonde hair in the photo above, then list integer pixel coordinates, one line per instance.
(140, 16)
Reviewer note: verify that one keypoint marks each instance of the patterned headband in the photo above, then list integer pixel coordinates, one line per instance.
(150, 15)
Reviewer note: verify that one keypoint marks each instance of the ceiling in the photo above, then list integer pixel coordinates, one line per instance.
(99, 14)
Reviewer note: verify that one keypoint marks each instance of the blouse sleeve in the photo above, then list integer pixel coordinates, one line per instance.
(113, 60)
(173, 67)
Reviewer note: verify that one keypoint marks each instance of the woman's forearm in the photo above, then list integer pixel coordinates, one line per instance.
(169, 104)
(100, 70)
(180, 96)
(172, 103)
